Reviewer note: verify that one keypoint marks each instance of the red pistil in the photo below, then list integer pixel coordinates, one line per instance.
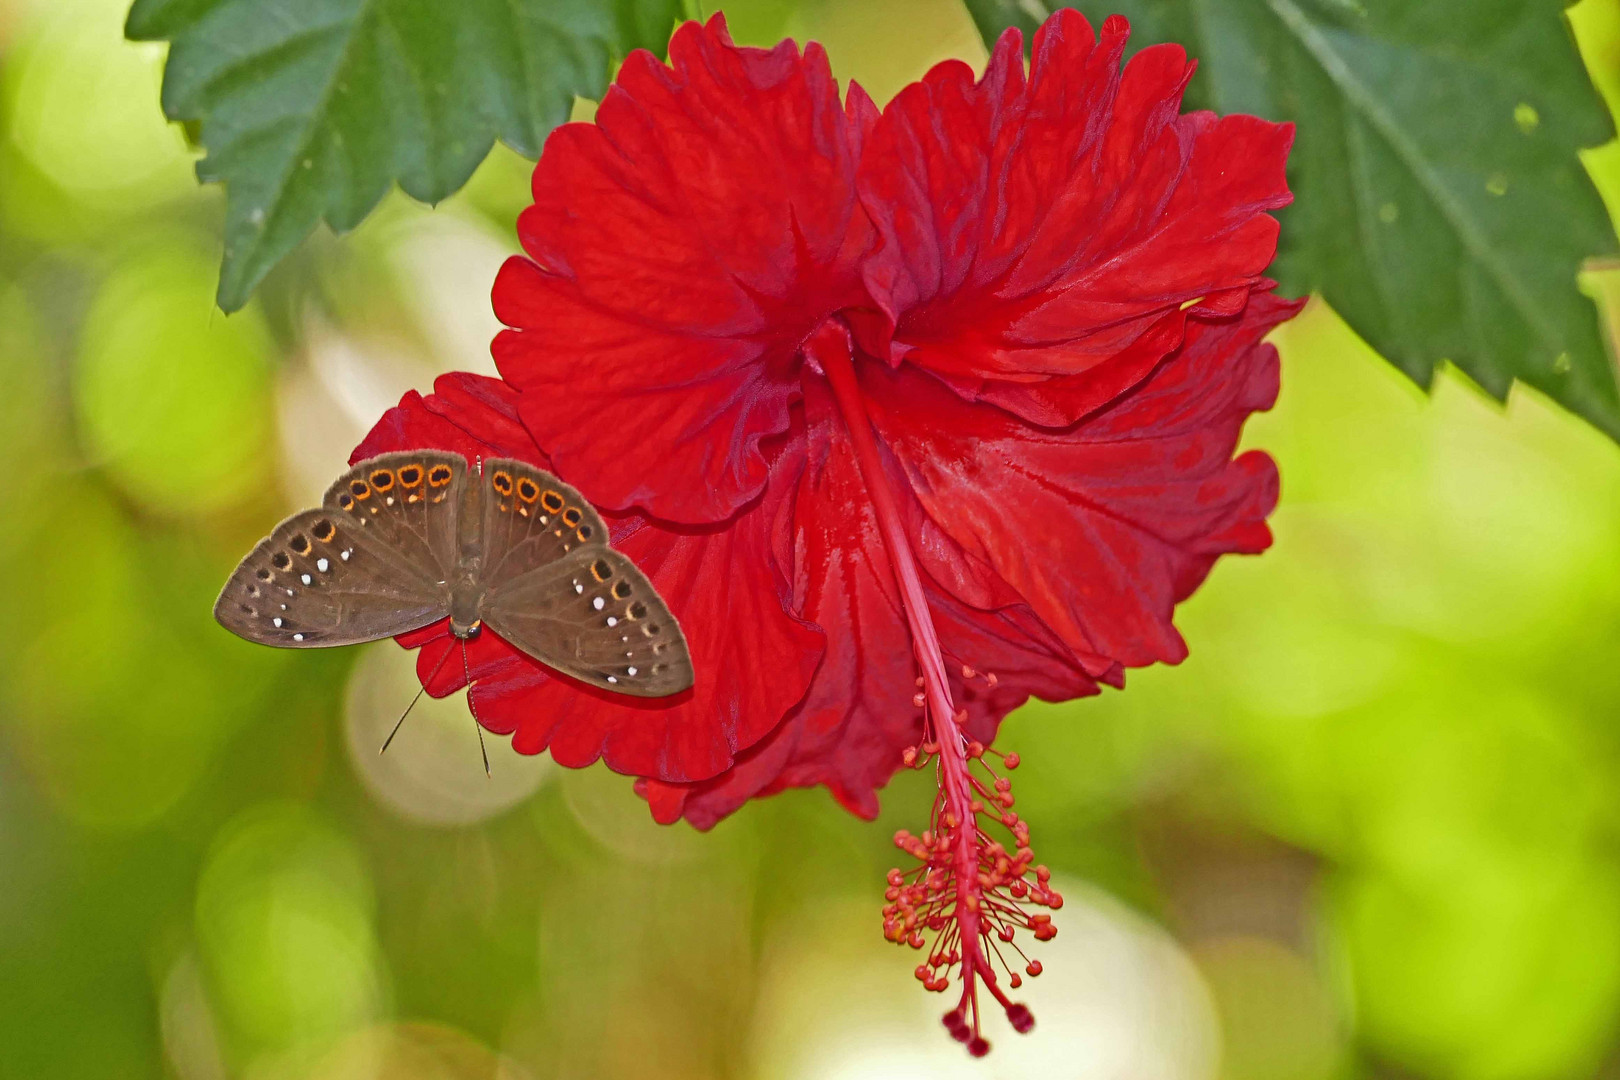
(968, 890)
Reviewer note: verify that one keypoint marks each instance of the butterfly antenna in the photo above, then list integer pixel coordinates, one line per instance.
(467, 671)
(414, 700)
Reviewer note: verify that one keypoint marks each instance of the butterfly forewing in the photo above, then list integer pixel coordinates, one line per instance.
(408, 506)
(530, 518)
(553, 588)
(360, 568)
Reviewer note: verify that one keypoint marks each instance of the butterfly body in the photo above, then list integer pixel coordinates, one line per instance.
(466, 602)
(404, 540)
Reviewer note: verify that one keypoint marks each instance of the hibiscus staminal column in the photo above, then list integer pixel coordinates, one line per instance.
(968, 890)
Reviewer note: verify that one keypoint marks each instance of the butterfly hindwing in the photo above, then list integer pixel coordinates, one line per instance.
(361, 567)
(557, 591)
(593, 615)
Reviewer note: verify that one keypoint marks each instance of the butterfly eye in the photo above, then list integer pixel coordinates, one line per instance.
(299, 543)
(528, 490)
(439, 475)
(621, 589)
(281, 561)
(600, 570)
(410, 475)
(359, 489)
(502, 483)
(552, 501)
(382, 479)
(324, 530)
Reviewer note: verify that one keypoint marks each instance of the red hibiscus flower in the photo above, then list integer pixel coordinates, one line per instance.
(908, 415)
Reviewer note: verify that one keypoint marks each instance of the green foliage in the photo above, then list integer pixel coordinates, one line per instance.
(1440, 203)
(310, 110)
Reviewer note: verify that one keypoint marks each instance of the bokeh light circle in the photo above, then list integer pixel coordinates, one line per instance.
(413, 1051)
(1118, 1000)
(432, 773)
(173, 398)
(284, 925)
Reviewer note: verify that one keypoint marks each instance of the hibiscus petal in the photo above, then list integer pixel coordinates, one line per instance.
(753, 658)
(858, 717)
(1035, 229)
(1101, 527)
(682, 245)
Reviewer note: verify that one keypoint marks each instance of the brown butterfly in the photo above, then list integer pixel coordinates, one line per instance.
(403, 540)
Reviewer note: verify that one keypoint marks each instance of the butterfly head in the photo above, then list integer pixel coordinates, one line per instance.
(466, 631)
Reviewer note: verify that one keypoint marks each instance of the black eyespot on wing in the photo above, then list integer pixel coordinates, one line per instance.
(299, 543)
(621, 589)
(528, 490)
(382, 479)
(584, 533)
(324, 530)
(346, 501)
(360, 489)
(439, 475)
(600, 570)
(410, 475)
(571, 516)
(552, 501)
(281, 561)
(637, 610)
(502, 482)
(265, 575)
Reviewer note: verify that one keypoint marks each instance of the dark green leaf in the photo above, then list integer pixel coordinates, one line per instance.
(1440, 205)
(310, 109)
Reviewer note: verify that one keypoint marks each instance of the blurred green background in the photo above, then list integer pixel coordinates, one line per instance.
(1370, 829)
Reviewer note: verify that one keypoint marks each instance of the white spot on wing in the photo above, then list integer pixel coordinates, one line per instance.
(305, 578)
(612, 621)
(599, 603)
(630, 671)
(322, 564)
